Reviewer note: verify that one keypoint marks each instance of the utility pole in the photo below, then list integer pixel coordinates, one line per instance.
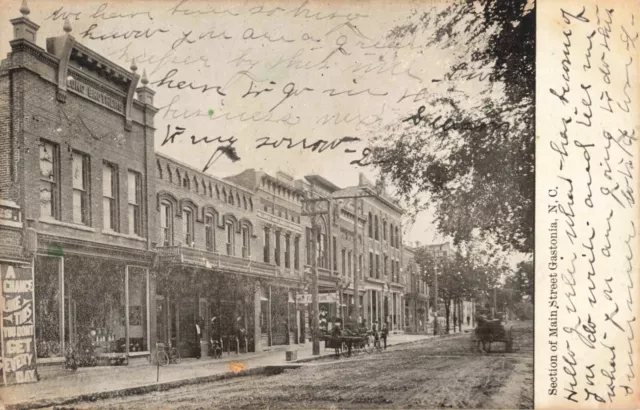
(356, 276)
(436, 324)
(314, 288)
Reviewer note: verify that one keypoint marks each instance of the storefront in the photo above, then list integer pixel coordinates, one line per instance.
(95, 305)
(221, 304)
(280, 316)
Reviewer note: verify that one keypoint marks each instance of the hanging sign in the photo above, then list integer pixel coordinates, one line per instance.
(305, 298)
(17, 336)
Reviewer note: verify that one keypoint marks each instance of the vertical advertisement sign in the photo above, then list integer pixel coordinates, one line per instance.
(17, 339)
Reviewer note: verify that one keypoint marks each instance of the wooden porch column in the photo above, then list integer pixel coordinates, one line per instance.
(270, 334)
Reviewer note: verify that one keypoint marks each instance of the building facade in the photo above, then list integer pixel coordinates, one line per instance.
(77, 160)
(106, 243)
(416, 305)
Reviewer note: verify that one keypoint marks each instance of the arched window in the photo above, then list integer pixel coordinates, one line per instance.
(370, 225)
(217, 193)
(159, 169)
(231, 198)
(169, 173)
(187, 227)
(224, 194)
(196, 186)
(166, 223)
(178, 178)
(244, 201)
(250, 205)
(238, 200)
(209, 231)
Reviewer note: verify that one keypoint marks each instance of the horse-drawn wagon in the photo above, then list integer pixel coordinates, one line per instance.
(493, 331)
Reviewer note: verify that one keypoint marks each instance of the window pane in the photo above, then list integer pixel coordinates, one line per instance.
(77, 207)
(47, 306)
(132, 219)
(132, 187)
(106, 213)
(138, 338)
(46, 199)
(47, 158)
(107, 181)
(78, 171)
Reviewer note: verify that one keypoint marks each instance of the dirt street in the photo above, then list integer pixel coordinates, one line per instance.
(438, 373)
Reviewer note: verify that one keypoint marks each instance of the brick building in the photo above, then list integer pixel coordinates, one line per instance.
(77, 160)
(105, 243)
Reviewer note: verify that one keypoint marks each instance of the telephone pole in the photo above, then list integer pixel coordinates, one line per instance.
(314, 288)
(436, 324)
(356, 273)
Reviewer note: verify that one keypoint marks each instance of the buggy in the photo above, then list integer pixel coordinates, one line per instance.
(491, 331)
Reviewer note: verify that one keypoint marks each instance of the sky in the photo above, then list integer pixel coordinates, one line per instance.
(260, 73)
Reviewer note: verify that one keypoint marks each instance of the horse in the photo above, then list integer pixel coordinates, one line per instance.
(489, 331)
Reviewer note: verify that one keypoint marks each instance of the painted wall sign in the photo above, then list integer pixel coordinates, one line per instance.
(95, 95)
(17, 335)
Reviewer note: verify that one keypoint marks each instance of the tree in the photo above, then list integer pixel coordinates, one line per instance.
(522, 281)
(472, 271)
(471, 153)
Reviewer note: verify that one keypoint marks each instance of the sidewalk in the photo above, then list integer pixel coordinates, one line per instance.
(59, 386)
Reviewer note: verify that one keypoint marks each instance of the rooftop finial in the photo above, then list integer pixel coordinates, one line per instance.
(133, 67)
(67, 26)
(144, 79)
(24, 9)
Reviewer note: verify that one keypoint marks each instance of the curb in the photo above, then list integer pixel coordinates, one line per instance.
(130, 391)
(163, 386)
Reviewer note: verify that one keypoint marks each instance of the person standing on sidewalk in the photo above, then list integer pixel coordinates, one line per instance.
(198, 339)
(385, 333)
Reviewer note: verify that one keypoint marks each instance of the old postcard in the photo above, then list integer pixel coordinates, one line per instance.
(318, 204)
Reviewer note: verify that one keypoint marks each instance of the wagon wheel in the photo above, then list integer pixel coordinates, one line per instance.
(509, 340)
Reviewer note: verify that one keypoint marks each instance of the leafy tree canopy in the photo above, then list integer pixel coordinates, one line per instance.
(469, 151)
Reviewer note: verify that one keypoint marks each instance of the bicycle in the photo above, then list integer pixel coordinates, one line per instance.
(167, 354)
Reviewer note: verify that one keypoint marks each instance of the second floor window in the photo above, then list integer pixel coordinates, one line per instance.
(378, 266)
(287, 251)
(166, 224)
(344, 262)
(229, 239)
(384, 267)
(49, 179)
(80, 176)
(110, 197)
(134, 197)
(209, 232)
(360, 273)
(267, 249)
(296, 253)
(246, 242)
(187, 227)
(371, 264)
(376, 227)
(349, 264)
(276, 249)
